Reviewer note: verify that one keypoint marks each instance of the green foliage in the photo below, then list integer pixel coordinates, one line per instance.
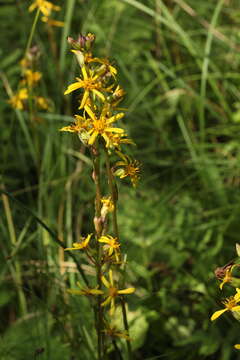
(179, 63)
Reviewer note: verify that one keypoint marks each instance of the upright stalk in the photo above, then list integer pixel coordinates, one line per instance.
(29, 42)
(98, 230)
(113, 190)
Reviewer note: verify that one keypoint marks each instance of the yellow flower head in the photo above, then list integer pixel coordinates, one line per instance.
(116, 140)
(113, 332)
(85, 291)
(129, 168)
(82, 245)
(112, 245)
(237, 346)
(31, 77)
(106, 67)
(17, 100)
(42, 102)
(113, 292)
(81, 127)
(102, 125)
(80, 124)
(91, 83)
(230, 305)
(227, 276)
(46, 7)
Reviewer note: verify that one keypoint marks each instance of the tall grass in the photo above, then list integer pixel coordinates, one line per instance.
(179, 62)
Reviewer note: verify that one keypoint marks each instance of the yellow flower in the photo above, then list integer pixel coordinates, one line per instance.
(112, 245)
(128, 168)
(31, 77)
(115, 140)
(52, 22)
(42, 102)
(81, 127)
(17, 100)
(82, 245)
(113, 333)
(44, 6)
(230, 305)
(107, 206)
(80, 124)
(102, 125)
(228, 276)
(106, 66)
(116, 96)
(90, 83)
(237, 346)
(113, 292)
(85, 291)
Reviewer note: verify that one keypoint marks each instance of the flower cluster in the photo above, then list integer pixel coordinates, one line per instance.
(46, 8)
(98, 126)
(27, 90)
(99, 95)
(225, 275)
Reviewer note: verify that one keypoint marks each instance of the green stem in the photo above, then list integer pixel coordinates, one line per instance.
(113, 190)
(125, 322)
(29, 43)
(16, 273)
(98, 229)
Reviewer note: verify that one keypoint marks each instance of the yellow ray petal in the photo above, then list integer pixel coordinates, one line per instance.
(73, 87)
(126, 291)
(107, 301)
(90, 112)
(105, 282)
(217, 314)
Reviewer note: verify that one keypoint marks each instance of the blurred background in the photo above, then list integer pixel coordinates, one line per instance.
(178, 61)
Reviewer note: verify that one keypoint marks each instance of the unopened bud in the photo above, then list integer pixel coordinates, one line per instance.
(82, 42)
(97, 224)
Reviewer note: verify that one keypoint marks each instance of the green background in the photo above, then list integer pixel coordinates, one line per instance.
(179, 64)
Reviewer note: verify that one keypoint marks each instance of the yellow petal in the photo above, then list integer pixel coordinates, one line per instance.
(32, 7)
(217, 314)
(116, 130)
(105, 282)
(96, 292)
(73, 87)
(236, 308)
(84, 72)
(126, 291)
(99, 94)
(111, 277)
(116, 117)
(112, 307)
(67, 128)
(92, 138)
(90, 112)
(237, 346)
(84, 99)
(107, 301)
(75, 292)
